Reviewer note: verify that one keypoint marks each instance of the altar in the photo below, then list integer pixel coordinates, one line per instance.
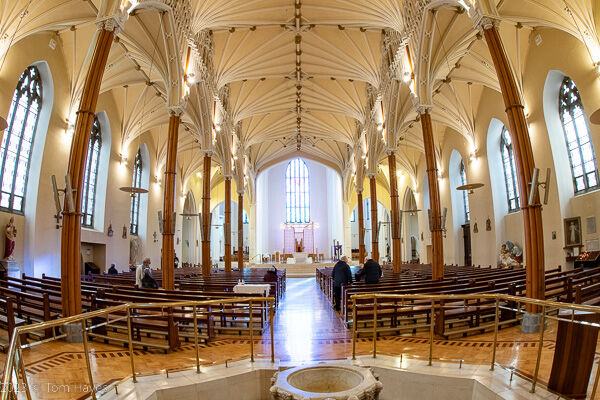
(300, 257)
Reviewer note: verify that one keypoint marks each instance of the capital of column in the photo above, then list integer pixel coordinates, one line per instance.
(240, 192)
(483, 22)
(371, 175)
(176, 110)
(358, 190)
(228, 176)
(423, 108)
(389, 151)
(114, 23)
(206, 152)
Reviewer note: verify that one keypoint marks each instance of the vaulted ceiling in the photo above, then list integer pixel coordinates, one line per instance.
(286, 77)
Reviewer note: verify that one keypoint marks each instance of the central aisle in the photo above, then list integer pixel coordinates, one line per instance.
(305, 323)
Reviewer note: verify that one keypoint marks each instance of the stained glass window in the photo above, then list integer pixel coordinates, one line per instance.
(90, 178)
(353, 216)
(463, 181)
(297, 205)
(577, 135)
(510, 174)
(135, 201)
(18, 138)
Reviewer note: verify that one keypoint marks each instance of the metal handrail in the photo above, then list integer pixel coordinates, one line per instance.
(15, 347)
(544, 305)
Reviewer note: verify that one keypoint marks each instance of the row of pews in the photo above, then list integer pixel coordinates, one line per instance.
(452, 318)
(29, 299)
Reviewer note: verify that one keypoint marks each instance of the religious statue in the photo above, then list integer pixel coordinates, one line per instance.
(9, 241)
(510, 255)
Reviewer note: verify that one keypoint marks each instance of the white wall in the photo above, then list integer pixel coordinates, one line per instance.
(325, 188)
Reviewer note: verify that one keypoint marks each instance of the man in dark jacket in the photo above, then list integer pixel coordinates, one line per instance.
(371, 271)
(341, 276)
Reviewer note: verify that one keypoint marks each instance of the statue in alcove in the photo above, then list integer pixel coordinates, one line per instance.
(9, 241)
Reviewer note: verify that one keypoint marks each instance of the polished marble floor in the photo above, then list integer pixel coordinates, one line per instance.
(305, 329)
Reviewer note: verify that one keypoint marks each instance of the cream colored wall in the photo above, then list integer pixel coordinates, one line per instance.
(43, 239)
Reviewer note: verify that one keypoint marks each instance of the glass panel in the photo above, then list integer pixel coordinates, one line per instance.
(577, 137)
(297, 192)
(18, 138)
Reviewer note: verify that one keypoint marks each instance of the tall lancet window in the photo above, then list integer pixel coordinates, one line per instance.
(577, 135)
(297, 204)
(90, 178)
(463, 181)
(18, 138)
(510, 173)
(135, 201)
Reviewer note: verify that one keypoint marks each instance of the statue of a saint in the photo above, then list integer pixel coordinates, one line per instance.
(9, 242)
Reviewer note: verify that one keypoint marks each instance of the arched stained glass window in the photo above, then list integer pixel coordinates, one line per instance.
(18, 138)
(297, 199)
(90, 179)
(135, 201)
(510, 174)
(463, 181)
(577, 135)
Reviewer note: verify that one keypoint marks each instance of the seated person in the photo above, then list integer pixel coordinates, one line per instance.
(139, 272)
(371, 271)
(113, 270)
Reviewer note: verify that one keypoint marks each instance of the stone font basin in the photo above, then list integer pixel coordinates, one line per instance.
(329, 381)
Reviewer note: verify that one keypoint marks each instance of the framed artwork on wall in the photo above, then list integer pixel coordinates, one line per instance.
(572, 232)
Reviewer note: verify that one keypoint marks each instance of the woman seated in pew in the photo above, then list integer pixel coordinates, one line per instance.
(371, 271)
(113, 270)
(139, 272)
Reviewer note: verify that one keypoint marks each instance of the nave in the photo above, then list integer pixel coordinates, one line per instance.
(306, 329)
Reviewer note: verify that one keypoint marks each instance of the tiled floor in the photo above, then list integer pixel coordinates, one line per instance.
(305, 329)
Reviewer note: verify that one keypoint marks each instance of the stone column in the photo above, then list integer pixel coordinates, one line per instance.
(70, 284)
(437, 264)
(361, 227)
(374, 222)
(240, 229)
(227, 227)
(206, 266)
(532, 215)
(396, 242)
(168, 242)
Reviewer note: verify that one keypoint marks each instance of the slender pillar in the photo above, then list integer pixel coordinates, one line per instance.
(361, 227)
(396, 243)
(374, 222)
(532, 215)
(227, 230)
(240, 228)
(205, 216)
(70, 284)
(168, 236)
(437, 264)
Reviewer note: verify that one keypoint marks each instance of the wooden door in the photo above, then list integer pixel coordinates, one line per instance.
(467, 243)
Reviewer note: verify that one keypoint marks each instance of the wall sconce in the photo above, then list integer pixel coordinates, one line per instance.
(379, 127)
(123, 159)
(157, 179)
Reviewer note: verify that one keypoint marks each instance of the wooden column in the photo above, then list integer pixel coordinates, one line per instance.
(437, 264)
(70, 284)
(240, 228)
(532, 215)
(205, 216)
(396, 243)
(168, 236)
(227, 227)
(361, 227)
(374, 222)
